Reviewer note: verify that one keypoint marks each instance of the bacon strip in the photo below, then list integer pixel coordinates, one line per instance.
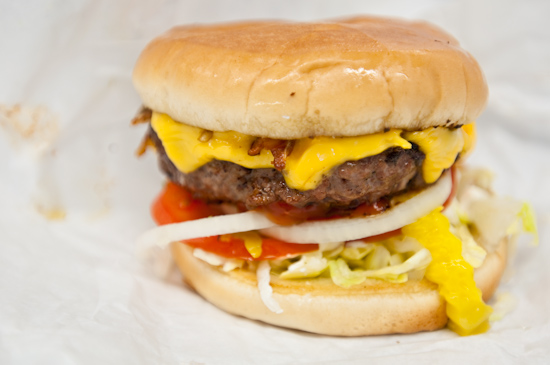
(280, 149)
(144, 145)
(256, 147)
(280, 153)
(143, 116)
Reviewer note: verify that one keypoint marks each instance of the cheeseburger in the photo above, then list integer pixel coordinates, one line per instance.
(315, 176)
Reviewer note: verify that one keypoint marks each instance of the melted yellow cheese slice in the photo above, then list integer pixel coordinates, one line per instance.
(470, 138)
(188, 153)
(441, 146)
(311, 158)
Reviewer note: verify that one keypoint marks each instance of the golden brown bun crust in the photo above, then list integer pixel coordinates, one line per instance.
(317, 305)
(293, 80)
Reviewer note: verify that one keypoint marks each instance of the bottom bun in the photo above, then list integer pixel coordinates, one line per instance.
(318, 305)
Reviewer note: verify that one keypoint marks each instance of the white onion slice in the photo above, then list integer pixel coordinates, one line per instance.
(348, 229)
(338, 230)
(161, 236)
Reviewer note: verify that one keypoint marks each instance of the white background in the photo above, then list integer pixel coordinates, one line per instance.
(72, 290)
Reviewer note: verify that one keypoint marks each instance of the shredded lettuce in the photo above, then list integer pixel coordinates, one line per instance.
(353, 262)
(357, 250)
(497, 217)
(478, 177)
(456, 214)
(403, 244)
(335, 251)
(396, 259)
(417, 274)
(379, 258)
(527, 217)
(309, 265)
(343, 276)
(473, 253)
(419, 260)
(493, 217)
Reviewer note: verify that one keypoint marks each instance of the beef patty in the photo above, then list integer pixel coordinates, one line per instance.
(348, 185)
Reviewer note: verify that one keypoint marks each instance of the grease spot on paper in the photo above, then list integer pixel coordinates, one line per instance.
(504, 304)
(51, 213)
(34, 127)
(102, 188)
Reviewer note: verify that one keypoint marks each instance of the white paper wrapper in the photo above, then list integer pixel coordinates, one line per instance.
(74, 198)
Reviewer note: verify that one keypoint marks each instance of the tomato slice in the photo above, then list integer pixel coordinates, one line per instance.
(453, 189)
(176, 204)
(234, 248)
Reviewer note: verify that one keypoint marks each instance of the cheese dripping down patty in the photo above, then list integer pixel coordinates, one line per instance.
(311, 158)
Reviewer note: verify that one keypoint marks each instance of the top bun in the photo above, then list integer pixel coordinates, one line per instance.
(294, 80)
